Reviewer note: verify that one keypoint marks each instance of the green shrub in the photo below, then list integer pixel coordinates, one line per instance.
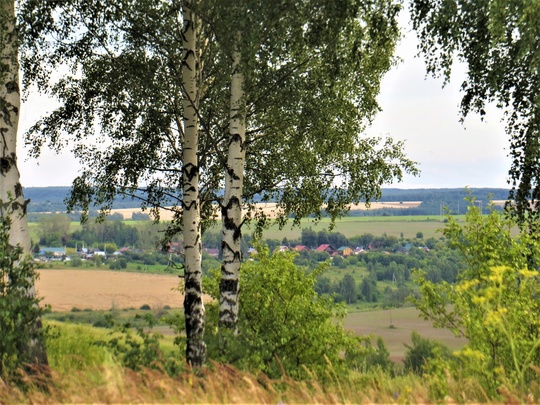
(363, 357)
(284, 325)
(494, 303)
(142, 349)
(421, 351)
(19, 310)
(104, 321)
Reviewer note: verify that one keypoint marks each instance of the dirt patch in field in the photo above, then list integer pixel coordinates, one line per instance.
(386, 204)
(94, 289)
(271, 211)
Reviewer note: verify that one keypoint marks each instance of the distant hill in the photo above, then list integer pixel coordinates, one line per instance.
(51, 199)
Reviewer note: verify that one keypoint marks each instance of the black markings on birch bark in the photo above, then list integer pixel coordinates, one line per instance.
(6, 114)
(7, 162)
(196, 349)
(236, 254)
(18, 190)
(190, 171)
(12, 87)
(20, 207)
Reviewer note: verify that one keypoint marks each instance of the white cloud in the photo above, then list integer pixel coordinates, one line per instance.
(418, 110)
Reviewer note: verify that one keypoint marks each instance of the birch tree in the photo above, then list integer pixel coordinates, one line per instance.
(231, 208)
(130, 93)
(304, 81)
(193, 304)
(11, 191)
(280, 77)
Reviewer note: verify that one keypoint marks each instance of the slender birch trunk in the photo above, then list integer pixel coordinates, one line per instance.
(232, 205)
(193, 303)
(10, 186)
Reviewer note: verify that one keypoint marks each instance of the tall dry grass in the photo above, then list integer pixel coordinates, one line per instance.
(85, 372)
(219, 384)
(226, 385)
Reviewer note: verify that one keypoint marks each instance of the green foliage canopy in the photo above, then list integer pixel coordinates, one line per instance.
(498, 41)
(123, 63)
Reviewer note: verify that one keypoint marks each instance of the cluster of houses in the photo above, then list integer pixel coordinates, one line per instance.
(341, 251)
(60, 253)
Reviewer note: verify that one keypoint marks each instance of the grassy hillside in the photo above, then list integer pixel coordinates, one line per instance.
(353, 226)
(349, 226)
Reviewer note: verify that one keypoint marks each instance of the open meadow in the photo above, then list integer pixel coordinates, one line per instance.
(64, 290)
(395, 327)
(406, 226)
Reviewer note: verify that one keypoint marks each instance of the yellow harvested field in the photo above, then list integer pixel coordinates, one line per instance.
(95, 289)
(387, 204)
(270, 208)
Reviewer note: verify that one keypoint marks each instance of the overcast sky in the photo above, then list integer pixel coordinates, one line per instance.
(416, 109)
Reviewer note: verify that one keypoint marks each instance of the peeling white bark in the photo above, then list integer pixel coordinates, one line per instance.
(10, 187)
(193, 303)
(10, 103)
(232, 203)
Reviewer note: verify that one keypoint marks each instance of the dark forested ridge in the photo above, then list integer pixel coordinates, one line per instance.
(51, 199)
(442, 194)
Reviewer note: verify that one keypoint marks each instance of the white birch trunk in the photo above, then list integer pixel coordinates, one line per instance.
(232, 205)
(10, 186)
(193, 303)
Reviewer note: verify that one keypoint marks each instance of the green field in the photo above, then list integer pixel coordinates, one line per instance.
(406, 226)
(395, 327)
(352, 226)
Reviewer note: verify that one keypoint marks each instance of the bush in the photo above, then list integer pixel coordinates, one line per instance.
(149, 260)
(421, 351)
(494, 303)
(145, 307)
(142, 349)
(284, 325)
(104, 321)
(338, 261)
(363, 357)
(20, 325)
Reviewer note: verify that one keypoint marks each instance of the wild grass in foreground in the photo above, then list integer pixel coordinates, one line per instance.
(225, 384)
(85, 371)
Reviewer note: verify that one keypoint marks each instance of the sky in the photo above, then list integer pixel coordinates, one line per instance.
(415, 109)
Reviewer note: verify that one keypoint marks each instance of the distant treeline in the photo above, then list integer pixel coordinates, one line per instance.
(434, 200)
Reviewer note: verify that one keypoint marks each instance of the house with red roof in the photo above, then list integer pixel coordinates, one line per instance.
(326, 248)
